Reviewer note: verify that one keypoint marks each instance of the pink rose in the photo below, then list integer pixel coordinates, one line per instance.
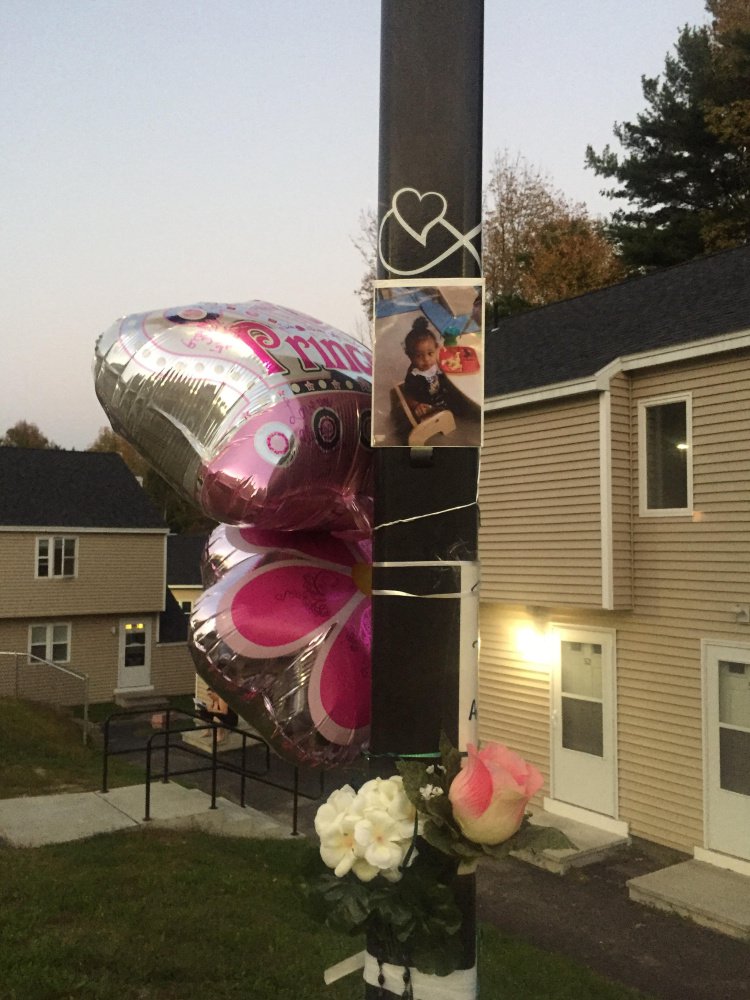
(490, 793)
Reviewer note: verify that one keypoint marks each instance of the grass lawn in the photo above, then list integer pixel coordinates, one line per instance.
(42, 751)
(170, 915)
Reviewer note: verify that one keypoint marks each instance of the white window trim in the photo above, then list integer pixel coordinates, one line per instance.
(49, 643)
(50, 539)
(643, 405)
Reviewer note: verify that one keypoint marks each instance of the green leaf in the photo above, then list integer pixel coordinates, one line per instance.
(540, 838)
(450, 759)
(411, 772)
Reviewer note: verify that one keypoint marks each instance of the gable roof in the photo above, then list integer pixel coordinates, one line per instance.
(184, 559)
(576, 338)
(42, 487)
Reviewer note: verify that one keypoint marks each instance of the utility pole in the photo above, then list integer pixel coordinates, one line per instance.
(426, 515)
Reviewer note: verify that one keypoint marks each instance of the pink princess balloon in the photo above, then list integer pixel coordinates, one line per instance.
(283, 634)
(258, 414)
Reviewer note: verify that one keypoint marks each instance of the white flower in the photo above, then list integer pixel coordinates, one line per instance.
(430, 792)
(383, 839)
(364, 871)
(388, 794)
(368, 832)
(339, 802)
(338, 847)
(393, 874)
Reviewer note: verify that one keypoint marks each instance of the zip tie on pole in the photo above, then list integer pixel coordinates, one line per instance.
(442, 597)
(420, 517)
(427, 562)
(457, 595)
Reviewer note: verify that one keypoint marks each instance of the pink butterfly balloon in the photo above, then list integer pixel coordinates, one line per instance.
(283, 634)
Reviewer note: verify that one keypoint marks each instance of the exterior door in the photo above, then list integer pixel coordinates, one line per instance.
(584, 770)
(727, 748)
(135, 654)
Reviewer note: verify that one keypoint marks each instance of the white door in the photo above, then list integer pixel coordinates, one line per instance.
(135, 653)
(727, 747)
(584, 770)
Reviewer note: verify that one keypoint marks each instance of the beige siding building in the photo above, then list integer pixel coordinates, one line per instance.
(615, 548)
(83, 582)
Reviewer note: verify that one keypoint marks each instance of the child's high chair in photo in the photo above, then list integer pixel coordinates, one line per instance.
(439, 422)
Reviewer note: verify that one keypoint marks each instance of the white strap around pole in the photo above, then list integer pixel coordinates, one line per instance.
(459, 985)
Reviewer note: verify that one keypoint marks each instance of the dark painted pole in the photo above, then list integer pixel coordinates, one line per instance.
(426, 514)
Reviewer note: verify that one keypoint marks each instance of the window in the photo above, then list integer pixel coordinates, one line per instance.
(50, 642)
(56, 556)
(187, 606)
(665, 456)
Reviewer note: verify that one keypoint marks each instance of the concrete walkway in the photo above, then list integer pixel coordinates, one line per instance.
(711, 896)
(32, 821)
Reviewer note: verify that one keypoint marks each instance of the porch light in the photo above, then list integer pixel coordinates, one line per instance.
(536, 645)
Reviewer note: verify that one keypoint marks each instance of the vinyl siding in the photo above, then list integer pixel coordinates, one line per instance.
(116, 573)
(94, 651)
(688, 573)
(658, 746)
(540, 537)
(514, 696)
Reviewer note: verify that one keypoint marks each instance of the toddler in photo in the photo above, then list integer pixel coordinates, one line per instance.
(425, 386)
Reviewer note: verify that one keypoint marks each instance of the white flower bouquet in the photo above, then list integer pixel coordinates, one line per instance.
(399, 847)
(369, 832)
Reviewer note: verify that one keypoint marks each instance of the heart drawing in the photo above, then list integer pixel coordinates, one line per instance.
(418, 213)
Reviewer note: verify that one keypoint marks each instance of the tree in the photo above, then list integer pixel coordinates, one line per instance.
(109, 440)
(366, 244)
(26, 435)
(684, 171)
(182, 516)
(568, 257)
(538, 246)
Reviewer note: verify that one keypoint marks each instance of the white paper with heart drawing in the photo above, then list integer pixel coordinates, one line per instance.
(428, 372)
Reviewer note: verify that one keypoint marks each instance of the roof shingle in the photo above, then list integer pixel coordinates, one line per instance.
(576, 338)
(71, 489)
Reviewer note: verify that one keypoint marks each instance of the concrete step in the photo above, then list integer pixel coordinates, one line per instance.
(591, 844)
(711, 896)
(231, 820)
(147, 702)
(174, 805)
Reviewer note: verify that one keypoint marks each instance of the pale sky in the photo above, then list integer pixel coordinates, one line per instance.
(162, 152)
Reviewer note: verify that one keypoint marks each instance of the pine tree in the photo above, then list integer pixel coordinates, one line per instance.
(684, 171)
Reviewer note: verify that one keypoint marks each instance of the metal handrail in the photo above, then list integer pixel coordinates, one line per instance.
(214, 766)
(84, 678)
